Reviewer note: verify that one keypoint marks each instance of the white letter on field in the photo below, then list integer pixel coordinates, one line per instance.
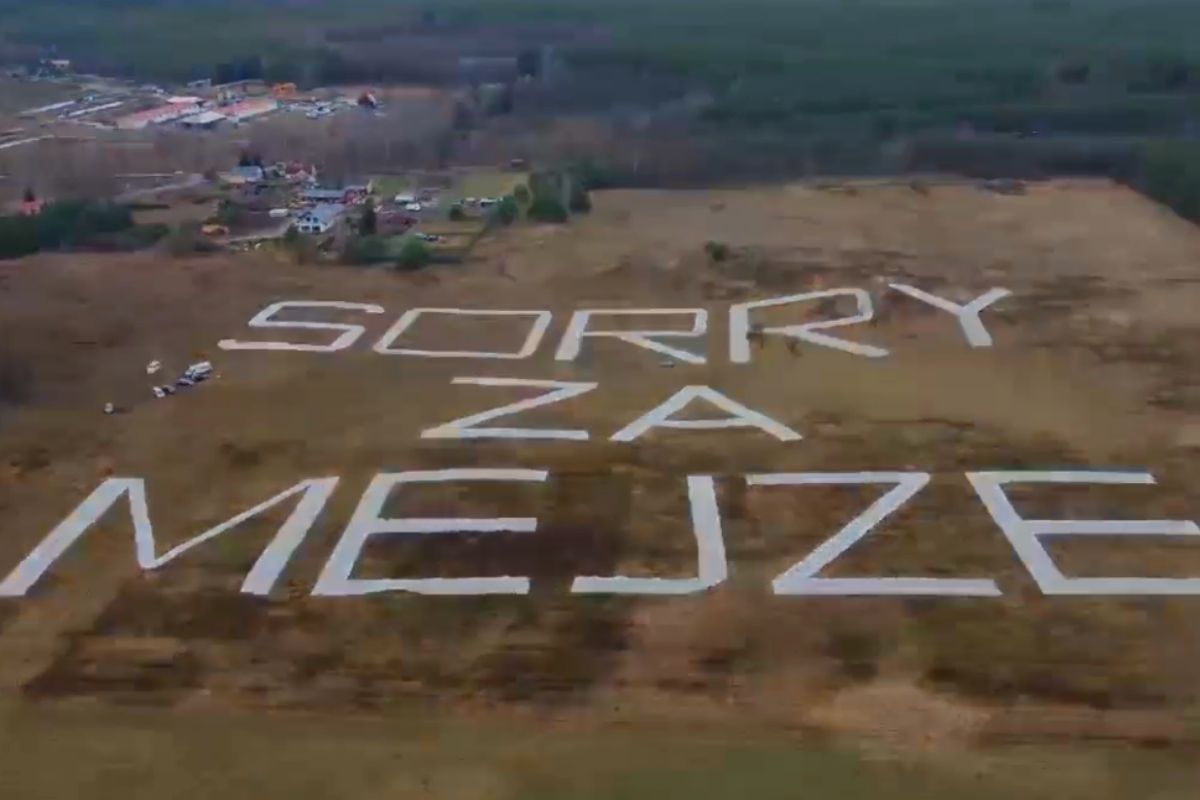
(1024, 534)
(264, 319)
(711, 565)
(541, 321)
(802, 578)
(577, 329)
(742, 417)
(467, 427)
(335, 580)
(968, 315)
(315, 492)
(739, 325)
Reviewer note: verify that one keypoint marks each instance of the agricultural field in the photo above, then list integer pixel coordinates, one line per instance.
(485, 182)
(178, 681)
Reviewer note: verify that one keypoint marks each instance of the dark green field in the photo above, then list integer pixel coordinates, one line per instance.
(1112, 65)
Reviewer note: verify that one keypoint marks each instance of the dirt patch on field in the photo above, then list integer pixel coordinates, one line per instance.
(902, 715)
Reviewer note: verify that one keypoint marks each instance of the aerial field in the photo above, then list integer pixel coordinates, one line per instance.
(638, 607)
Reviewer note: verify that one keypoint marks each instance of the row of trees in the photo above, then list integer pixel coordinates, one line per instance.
(1169, 172)
(70, 224)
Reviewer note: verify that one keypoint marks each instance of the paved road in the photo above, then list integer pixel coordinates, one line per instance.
(20, 142)
(186, 182)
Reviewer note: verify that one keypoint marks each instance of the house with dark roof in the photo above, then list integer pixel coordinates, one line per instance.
(316, 195)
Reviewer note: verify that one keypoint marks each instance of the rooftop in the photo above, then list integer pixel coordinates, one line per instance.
(324, 194)
(251, 173)
(253, 105)
(203, 118)
(325, 213)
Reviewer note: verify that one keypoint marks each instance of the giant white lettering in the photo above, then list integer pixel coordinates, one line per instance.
(335, 580)
(802, 578)
(740, 417)
(578, 328)
(314, 493)
(739, 325)
(1024, 534)
(467, 427)
(541, 321)
(968, 315)
(266, 319)
(711, 566)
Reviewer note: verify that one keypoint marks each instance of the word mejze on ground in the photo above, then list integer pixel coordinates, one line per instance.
(584, 324)
(335, 580)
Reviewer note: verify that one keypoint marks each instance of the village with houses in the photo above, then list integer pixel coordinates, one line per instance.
(410, 218)
(203, 167)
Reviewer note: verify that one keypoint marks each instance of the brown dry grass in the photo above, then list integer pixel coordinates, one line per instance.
(1094, 365)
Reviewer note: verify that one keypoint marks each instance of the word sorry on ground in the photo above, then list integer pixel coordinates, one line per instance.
(582, 325)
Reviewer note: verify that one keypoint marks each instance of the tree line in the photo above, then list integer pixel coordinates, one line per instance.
(74, 224)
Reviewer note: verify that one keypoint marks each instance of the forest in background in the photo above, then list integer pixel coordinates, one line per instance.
(988, 87)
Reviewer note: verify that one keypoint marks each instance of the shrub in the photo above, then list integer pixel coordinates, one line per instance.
(1170, 174)
(507, 211)
(138, 237)
(457, 214)
(74, 222)
(18, 237)
(188, 240)
(368, 224)
(228, 212)
(547, 208)
(366, 250)
(413, 255)
(716, 251)
(65, 224)
(592, 175)
(580, 202)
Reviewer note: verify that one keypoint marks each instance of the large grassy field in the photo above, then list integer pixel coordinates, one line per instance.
(118, 681)
(50, 753)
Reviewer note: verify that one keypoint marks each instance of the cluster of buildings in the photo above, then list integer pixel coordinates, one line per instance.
(195, 112)
(327, 205)
(313, 208)
(113, 103)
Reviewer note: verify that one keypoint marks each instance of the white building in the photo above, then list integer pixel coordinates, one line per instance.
(248, 109)
(319, 219)
(205, 119)
(157, 116)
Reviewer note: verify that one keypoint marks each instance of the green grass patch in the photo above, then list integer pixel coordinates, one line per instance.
(485, 183)
(388, 186)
